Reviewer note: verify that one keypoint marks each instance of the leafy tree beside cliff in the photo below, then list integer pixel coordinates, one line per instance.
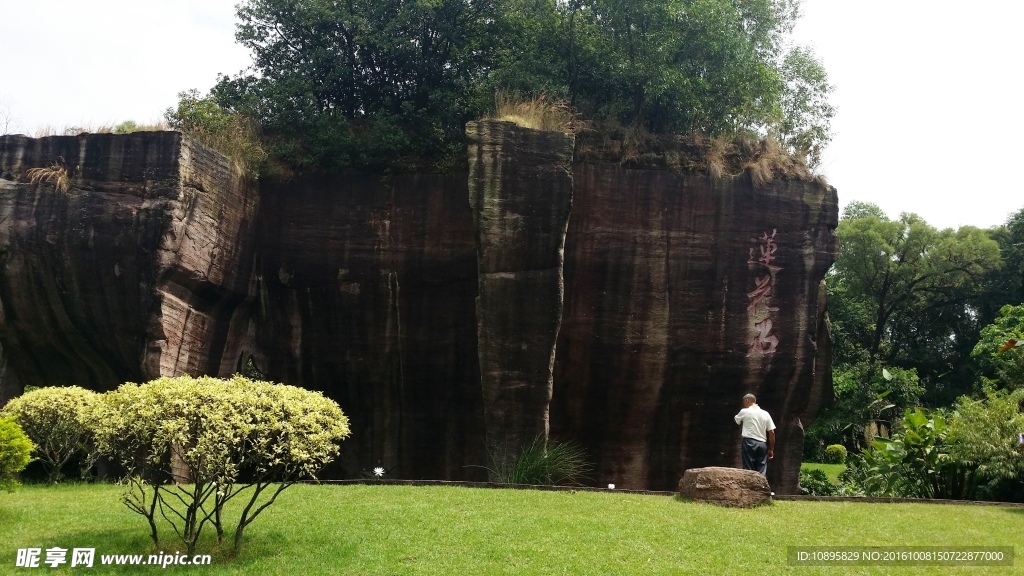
(907, 293)
(903, 300)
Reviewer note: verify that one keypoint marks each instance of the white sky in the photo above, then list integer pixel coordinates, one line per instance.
(927, 91)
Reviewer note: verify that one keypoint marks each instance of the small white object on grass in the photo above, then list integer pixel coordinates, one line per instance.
(611, 486)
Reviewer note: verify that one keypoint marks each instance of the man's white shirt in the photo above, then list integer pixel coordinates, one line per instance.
(756, 423)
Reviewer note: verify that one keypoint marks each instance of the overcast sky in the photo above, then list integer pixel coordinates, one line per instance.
(929, 116)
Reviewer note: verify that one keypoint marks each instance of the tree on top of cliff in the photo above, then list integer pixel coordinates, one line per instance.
(357, 83)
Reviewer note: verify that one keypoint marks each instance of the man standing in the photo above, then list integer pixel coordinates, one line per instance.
(758, 445)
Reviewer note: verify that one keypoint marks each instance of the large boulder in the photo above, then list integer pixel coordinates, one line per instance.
(725, 486)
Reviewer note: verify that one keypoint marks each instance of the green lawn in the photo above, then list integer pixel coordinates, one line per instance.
(382, 530)
(831, 470)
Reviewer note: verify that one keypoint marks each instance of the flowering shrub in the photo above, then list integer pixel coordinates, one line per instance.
(56, 419)
(223, 437)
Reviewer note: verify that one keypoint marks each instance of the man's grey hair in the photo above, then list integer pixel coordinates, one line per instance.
(750, 397)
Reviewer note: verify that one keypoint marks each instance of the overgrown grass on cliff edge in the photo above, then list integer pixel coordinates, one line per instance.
(449, 530)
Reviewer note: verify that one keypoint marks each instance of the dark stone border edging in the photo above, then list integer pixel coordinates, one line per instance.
(371, 482)
(786, 498)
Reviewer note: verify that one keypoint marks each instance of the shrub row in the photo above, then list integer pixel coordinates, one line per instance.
(188, 445)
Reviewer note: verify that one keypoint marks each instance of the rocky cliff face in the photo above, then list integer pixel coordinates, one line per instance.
(684, 293)
(625, 309)
(365, 288)
(520, 191)
(132, 272)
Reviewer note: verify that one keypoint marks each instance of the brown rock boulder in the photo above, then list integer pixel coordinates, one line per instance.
(725, 486)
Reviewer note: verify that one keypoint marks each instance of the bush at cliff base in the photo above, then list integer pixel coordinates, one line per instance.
(190, 445)
(56, 419)
(15, 454)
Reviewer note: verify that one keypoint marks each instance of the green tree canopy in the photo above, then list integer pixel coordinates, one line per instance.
(351, 82)
(1002, 369)
(906, 294)
(1007, 283)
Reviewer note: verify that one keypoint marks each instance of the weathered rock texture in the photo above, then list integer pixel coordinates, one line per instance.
(135, 272)
(725, 487)
(520, 190)
(366, 291)
(436, 309)
(684, 293)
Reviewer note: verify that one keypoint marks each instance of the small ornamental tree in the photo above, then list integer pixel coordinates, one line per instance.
(226, 438)
(15, 453)
(56, 419)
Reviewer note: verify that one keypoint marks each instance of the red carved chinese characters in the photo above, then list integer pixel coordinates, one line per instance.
(763, 342)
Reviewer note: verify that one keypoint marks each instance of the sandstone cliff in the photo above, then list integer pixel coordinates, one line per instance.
(625, 309)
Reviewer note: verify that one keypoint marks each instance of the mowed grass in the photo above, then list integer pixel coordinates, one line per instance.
(831, 470)
(383, 530)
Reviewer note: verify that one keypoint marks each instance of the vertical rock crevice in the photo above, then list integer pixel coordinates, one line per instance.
(520, 192)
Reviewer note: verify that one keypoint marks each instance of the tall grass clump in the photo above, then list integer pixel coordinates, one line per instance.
(56, 174)
(539, 112)
(131, 126)
(544, 462)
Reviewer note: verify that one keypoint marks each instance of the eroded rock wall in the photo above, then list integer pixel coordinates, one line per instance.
(520, 191)
(133, 272)
(682, 294)
(436, 309)
(366, 289)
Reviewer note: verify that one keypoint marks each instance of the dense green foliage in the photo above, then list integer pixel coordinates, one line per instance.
(233, 135)
(926, 317)
(191, 445)
(1002, 369)
(817, 483)
(391, 83)
(906, 291)
(15, 453)
(983, 436)
(906, 303)
(58, 421)
(971, 452)
(916, 462)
